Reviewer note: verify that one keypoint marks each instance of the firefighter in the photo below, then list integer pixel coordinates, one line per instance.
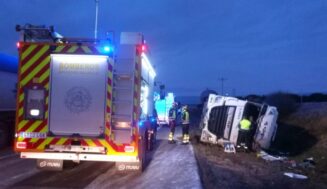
(245, 133)
(172, 122)
(185, 125)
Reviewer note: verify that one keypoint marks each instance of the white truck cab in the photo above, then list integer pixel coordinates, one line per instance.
(221, 117)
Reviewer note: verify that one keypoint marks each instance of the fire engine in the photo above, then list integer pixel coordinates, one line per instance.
(83, 99)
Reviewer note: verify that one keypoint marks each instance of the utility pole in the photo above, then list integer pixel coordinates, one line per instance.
(222, 79)
(96, 19)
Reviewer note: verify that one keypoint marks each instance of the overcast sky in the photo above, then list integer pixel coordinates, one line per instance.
(259, 46)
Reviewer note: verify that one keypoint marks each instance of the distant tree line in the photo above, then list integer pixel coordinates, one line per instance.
(314, 97)
(286, 103)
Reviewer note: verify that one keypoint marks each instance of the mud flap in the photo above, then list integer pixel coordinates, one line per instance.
(50, 164)
(128, 166)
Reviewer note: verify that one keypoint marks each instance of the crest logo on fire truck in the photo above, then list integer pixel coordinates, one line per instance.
(78, 99)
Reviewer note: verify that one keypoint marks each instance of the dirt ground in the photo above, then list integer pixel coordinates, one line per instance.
(301, 135)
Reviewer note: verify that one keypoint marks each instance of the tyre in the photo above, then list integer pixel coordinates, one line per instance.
(142, 162)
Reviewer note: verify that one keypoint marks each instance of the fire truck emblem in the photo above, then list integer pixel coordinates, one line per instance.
(78, 99)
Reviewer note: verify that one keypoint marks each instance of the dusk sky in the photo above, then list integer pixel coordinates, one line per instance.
(259, 46)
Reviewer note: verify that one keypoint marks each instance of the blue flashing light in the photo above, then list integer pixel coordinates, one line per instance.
(108, 49)
(141, 123)
(153, 120)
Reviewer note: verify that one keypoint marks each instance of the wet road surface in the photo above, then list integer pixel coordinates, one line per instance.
(168, 166)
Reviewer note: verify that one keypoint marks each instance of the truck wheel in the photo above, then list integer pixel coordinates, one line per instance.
(142, 149)
(152, 140)
(4, 136)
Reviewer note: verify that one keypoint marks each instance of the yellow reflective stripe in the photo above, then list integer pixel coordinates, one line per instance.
(61, 141)
(20, 111)
(34, 59)
(35, 71)
(109, 89)
(21, 97)
(106, 131)
(44, 75)
(34, 140)
(86, 49)
(34, 126)
(45, 142)
(46, 86)
(90, 142)
(45, 129)
(59, 48)
(28, 51)
(72, 49)
(22, 124)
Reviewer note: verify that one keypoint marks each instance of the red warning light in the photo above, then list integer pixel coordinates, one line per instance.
(18, 45)
(143, 48)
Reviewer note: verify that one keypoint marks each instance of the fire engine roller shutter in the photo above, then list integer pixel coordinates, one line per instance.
(78, 94)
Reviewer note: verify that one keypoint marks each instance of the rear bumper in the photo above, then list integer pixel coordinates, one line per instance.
(78, 156)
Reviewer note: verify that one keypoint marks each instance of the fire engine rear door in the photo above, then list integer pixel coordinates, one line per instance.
(77, 94)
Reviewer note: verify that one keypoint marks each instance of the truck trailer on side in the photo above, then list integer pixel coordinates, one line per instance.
(221, 117)
(79, 100)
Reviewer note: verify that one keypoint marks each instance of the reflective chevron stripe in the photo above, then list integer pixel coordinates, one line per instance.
(35, 68)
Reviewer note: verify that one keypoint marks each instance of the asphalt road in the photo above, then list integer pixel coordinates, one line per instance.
(168, 166)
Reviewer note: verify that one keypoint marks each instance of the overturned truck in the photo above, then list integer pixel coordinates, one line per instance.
(221, 116)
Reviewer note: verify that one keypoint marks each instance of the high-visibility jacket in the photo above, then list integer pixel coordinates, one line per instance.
(172, 114)
(186, 117)
(245, 124)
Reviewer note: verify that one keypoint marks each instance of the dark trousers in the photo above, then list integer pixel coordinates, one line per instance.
(186, 128)
(244, 137)
(172, 125)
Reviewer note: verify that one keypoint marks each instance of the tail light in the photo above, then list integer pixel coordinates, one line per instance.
(129, 149)
(21, 145)
(35, 103)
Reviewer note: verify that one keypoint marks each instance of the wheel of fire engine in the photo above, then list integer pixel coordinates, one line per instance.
(151, 141)
(4, 135)
(142, 144)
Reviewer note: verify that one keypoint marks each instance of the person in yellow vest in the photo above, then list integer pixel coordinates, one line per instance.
(172, 122)
(185, 125)
(245, 133)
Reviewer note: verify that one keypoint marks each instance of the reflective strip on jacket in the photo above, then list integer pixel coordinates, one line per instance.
(245, 124)
(186, 117)
(172, 117)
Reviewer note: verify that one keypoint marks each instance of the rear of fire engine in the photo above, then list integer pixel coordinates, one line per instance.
(76, 102)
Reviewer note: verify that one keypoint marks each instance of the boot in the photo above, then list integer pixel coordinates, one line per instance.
(188, 138)
(171, 137)
(185, 139)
